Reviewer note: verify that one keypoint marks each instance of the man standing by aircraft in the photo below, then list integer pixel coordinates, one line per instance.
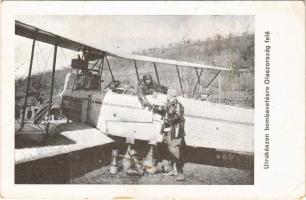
(173, 131)
(147, 86)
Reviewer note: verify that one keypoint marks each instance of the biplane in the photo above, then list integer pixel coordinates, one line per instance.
(116, 111)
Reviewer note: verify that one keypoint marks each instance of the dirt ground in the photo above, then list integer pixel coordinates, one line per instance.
(195, 174)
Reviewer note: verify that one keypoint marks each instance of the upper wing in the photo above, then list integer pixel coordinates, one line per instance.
(32, 32)
(171, 62)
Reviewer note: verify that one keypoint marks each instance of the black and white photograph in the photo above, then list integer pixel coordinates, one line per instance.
(152, 100)
(159, 99)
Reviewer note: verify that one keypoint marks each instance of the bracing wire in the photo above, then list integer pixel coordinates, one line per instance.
(43, 57)
(37, 61)
(65, 57)
(22, 44)
(26, 61)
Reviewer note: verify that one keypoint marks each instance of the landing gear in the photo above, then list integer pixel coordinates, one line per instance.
(149, 162)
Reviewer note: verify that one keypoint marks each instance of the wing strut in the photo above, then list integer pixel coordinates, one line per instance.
(32, 32)
(156, 73)
(136, 70)
(101, 67)
(52, 83)
(198, 81)
(219, 86)
(95, 64)
(28, 84)
(180, 80)
(109, 67)
(215, 76)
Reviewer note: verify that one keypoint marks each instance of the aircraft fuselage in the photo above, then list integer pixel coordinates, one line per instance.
(207, 124)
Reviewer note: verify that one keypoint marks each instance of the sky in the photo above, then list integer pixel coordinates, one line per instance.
(123, 34)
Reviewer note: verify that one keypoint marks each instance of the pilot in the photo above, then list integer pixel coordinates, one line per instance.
(174, 134)
(147, 87)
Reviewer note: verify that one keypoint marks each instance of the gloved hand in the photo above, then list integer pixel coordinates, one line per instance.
(150, 107)
(147, 104)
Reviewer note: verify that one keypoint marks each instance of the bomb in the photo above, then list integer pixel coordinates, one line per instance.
(114, 163)
(126, 162)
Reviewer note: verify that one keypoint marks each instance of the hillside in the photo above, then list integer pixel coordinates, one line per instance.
(231, 52)
(40, 85)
